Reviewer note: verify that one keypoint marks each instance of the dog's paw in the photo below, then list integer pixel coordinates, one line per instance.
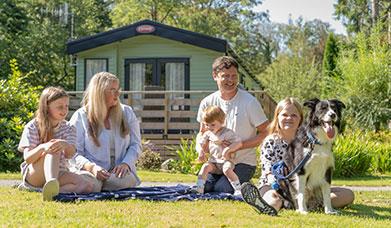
(332, 212)
(302, 212)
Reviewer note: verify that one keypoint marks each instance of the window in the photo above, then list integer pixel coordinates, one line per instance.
(93, 66)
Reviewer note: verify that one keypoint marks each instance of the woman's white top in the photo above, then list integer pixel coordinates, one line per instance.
(127, 149)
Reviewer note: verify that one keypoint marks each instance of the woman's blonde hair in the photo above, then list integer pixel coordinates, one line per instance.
(273, 126)
(45, 128)
(94, 102)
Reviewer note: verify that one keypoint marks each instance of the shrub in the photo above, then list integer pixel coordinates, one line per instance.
(381, 161)
(354, 153)
(149, 159)
(187, 155)
(365, 81)
(18, 101)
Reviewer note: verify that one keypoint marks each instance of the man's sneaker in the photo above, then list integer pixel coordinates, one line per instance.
(251, 195)
(50, 189)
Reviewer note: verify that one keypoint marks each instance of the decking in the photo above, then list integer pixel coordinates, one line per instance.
(168, 116)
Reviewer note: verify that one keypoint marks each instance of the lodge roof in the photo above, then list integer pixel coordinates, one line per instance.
(162, 30)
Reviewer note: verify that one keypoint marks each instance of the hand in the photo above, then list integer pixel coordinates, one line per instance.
(201, 157)
(226, 153)
(100, 173)
(225, 144)
(55, 146)
(121, 170)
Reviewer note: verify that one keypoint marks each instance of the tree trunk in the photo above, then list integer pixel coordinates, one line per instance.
(375, 11)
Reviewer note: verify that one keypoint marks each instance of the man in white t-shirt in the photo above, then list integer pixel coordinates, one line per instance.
(244, 115)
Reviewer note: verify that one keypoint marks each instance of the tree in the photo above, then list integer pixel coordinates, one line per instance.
(362, 15)
(38, 37)
(329, 67)
(233, 20)
(296, 70)
(365, 84)
(13, 22)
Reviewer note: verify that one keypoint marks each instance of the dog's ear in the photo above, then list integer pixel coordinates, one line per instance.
(311, 103)
(339, 103)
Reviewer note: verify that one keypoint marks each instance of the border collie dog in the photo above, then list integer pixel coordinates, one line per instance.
(311, 185)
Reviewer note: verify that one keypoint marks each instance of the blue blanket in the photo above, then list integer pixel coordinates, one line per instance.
(157, 193)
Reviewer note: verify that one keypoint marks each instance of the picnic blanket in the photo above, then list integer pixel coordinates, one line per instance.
(157, 193)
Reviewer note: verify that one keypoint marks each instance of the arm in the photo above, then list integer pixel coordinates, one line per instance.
(29, 144)
(77, 122)
(202, 146)
(33, 155)
(256, 140)
(135, 148)
(268, 158)
(81, 161)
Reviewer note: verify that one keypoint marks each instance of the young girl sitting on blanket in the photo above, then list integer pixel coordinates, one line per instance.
(221, 159)
(47, 142)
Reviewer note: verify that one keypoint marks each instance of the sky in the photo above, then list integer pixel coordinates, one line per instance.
(279, 11)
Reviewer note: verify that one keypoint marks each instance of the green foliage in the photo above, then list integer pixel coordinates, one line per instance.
(296, 70)
(381, 149)
(352, 155)
(35, 33)
(233, 20)
(329, 68)
(187, 154)
(358, 153)
(356, 15)
(149, 159)
(365, 84)
(294, 76)
(18, 100)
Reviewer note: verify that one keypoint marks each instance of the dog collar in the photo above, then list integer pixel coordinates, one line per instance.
(312, 139)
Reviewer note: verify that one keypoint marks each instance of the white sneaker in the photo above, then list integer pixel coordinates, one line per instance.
(238, 193)
(50, 189)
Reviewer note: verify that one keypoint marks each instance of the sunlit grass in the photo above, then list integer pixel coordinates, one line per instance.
(154, 176)
(371, 209)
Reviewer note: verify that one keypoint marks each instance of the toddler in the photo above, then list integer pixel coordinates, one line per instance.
(221, 143)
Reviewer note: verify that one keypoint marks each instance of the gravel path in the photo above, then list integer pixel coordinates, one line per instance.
(8, 183)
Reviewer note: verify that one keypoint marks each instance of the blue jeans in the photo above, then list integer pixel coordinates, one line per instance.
(220, 183)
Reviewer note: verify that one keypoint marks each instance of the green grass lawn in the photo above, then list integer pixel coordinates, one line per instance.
(371, 209)
(150, 176)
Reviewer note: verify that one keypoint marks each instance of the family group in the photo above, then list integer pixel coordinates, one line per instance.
(98, 148)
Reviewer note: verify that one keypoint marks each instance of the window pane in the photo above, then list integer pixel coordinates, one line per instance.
(94, 66)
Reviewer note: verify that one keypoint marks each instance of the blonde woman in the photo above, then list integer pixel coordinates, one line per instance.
(47, 142)
(108, 135)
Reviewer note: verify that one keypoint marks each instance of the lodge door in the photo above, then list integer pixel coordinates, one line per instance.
(157, 74)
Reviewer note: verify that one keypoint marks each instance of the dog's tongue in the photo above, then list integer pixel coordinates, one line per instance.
(329, 130)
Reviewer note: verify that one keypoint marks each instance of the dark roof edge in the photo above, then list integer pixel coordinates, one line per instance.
(162, 30)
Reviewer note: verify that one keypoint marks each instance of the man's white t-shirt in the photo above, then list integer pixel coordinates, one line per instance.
(243, 115)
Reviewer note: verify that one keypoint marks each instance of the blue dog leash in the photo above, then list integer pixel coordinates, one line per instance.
(278, 167)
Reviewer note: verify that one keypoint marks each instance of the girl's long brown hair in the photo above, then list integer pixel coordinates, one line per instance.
(45, 128)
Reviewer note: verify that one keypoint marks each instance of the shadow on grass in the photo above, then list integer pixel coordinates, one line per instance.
(367, 211)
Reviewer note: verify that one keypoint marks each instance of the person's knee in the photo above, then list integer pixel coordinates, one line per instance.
(88, 187)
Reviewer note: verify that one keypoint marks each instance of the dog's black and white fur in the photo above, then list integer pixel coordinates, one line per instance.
(311, 187)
